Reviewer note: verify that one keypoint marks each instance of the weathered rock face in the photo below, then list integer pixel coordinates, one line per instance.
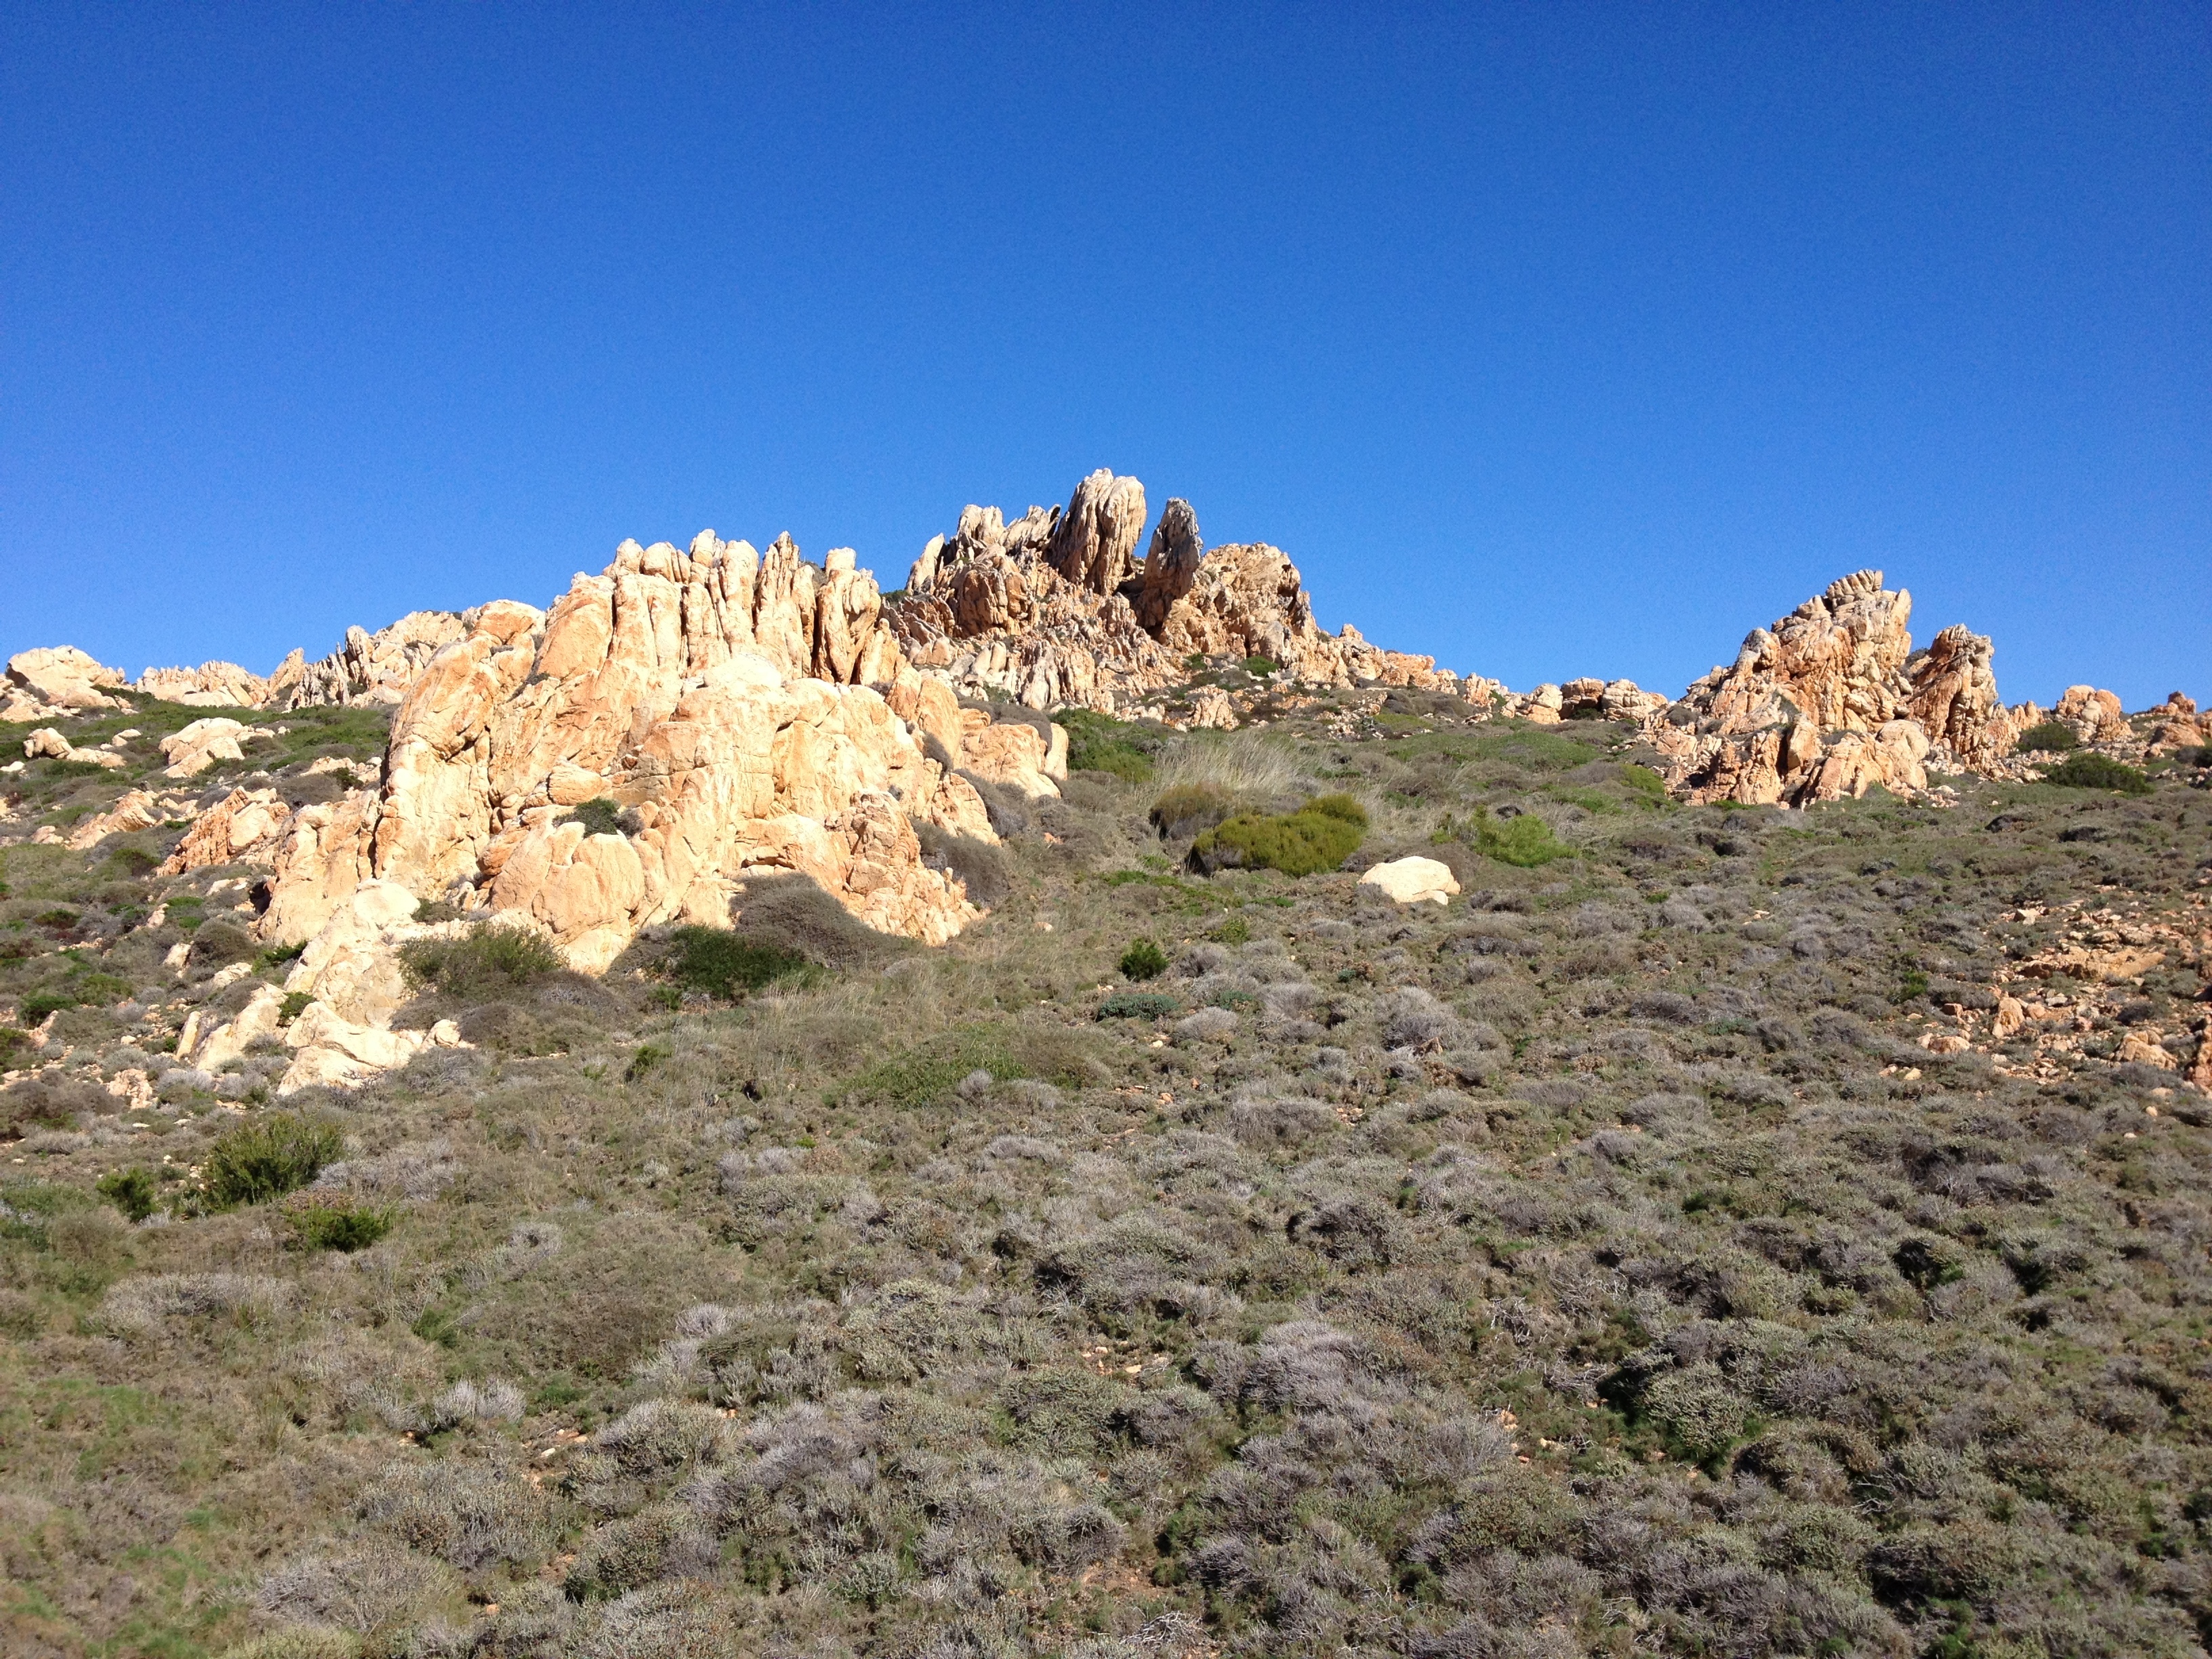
(711, 693)
(1953, 695)
(1050, 609)
(2094, 716)
(244, 824)
(1832, 700)
(54, 679)
(1092, 545)
(201, 745)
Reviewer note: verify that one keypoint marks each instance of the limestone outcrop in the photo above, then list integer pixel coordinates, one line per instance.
(1051, 610)
(371, 668)
(1833, 701)
(192, 751)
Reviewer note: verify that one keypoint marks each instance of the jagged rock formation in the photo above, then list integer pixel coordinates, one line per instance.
(218, 684)
(713, 694)
(1832, 700)
(1051, 611)
(368, 667)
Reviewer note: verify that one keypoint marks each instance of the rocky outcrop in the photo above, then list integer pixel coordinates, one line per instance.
(1051, 610)
(47, 743)
(370, 668)
(192, 751)
(1832, 700)
(245, 825)
(211, 685)
(1412, 881)
(715, 695)
(137, 810)
(54, 680)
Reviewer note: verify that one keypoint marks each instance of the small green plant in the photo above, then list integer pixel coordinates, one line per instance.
(1232, 929)
(1138, 1005)
(294, 1003)
(1914, 983)
(1320, 836)
(2047, 739)
(99, 990)
(485, 961)
(728, 966)
(599, 816)
(1195, 663)
(258, 1162)
(2090, 771)
(1645, 782)
(342, 1227)
(186, 913)
(1143, 960)
(34, 1009)
(1259, 667)
(1524, 840)
(132, 1191)
(648, 1055)
(11, 1039)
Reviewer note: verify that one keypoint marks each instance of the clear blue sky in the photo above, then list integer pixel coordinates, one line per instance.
(1552, 339)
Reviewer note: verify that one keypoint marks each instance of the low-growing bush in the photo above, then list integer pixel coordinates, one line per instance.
(1143, 959)
(1320, 836)
(928, 1072)
(2047, 739)
(1098, 742)
(342, 1227)
(133, 1191)
(729, 965)
(793, 913)
(602, 816)
(1138, 1005)
(1523, 841)
(258, 1162)
(483, 962)
(983, 869)
(2092, 771)
(1188, 809)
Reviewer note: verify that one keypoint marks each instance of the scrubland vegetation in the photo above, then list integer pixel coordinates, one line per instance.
(1602, 1264)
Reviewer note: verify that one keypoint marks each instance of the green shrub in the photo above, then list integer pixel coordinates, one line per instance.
(132, 1191)
(342, 1227)
(294, 1005)
(187, 914)
(2049, 739)
(258, 1162)
(485, 961)
(1138, 1005)
(1259, 667)
(1319, 835)
(10, 1040)
(2097, 772)
(34, 1009)
(1143, 960)
(725, 964)
(599, 816)
(648, 1055)
(1524, 840)
(99, 990)
(1098, 742)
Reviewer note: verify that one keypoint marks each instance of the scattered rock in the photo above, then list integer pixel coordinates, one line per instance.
(1413, 880)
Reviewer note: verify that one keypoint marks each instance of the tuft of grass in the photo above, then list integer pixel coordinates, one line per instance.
(1143, 959)
(485, 961)
(256, 1162)
(2047, 739)
(730, 966)
(1188, 809)
(2089, 771)
(342, 1227)
(1319, 835)
(1246, 765)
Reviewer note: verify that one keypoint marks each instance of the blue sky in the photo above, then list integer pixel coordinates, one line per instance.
(1551, 339)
